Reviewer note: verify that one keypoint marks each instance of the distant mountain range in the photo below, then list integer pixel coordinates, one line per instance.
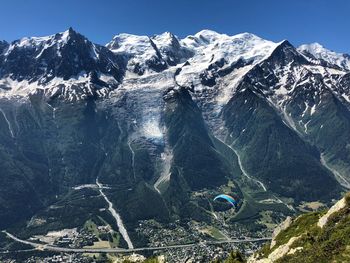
(167, 123)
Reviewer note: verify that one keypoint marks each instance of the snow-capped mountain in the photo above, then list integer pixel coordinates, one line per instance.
(145, 53)
(318, 52)
(219, 55)
(54, 61)
(169, 122)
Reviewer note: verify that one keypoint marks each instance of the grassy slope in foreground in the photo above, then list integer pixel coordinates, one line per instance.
(304, 240)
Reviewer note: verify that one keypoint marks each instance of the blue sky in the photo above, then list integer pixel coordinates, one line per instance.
(299, 21)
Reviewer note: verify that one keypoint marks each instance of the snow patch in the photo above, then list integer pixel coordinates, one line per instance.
(151, 129)
(346, 97)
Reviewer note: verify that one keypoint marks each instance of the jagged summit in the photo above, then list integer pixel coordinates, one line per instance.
(37, 41)
(143, 53)
(60, 57)
(165, 37)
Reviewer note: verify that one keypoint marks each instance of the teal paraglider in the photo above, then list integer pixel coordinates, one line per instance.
(228, 198)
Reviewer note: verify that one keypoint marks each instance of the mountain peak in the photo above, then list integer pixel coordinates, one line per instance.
(317, 51)
(213, 35)
(64, 55)
(69, 35)
(125, 41)
(207, 32)
(71, 30)
(312, 46)
(207, 36)
(37, 42)
(167, 34)
(165, 38)
(246, 36)
(144, 53)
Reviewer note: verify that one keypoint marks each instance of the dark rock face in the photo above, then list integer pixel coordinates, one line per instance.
(201, 166)
(292, 166)
(64, 55)
(310, 101)
(196, 163)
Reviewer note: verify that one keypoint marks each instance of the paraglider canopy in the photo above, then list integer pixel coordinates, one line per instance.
(228, 198)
